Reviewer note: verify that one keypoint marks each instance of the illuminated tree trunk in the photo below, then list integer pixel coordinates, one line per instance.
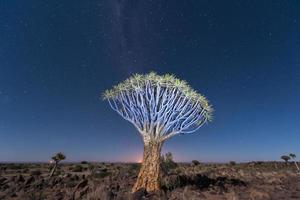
(149, 175)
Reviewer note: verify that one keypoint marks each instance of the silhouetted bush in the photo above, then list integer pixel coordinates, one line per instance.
(195, 162)
(174, 181)
(167, 162)
(232, 163)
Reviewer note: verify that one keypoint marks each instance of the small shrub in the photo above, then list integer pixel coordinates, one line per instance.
(36, 173)
(3, 168)
(178, 171)
(15, 166)
(174, 181)
(167, 162)
(84, 162)
(100, 173)
(77, 168)
(58, 171)
(71, 184)
(232, 163)
(135, 166)
(195, 163)
(91, 167)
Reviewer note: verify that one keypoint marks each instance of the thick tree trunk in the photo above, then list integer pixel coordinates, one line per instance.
(149, 175)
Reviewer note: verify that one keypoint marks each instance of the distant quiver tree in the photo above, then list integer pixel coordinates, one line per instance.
(285, 158)
(57, 158)
(293, 156)
(159, 106)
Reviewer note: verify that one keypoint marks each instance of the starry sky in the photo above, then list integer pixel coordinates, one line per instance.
(57, 57)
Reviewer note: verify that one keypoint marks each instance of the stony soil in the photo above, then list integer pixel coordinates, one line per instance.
(107, 181)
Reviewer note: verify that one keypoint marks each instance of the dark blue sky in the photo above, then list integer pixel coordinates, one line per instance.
(57, 57)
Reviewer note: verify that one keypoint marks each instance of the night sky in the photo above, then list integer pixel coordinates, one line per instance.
(57, 57)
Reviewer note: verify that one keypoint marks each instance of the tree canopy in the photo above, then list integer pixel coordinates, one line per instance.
(159, 106)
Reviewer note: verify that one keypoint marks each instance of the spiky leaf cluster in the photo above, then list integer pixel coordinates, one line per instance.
(159, 105)
(58, 157)
(138, 81)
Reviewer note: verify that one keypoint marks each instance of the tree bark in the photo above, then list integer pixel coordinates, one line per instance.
(296, 165)
(53, 170)
(150, 172)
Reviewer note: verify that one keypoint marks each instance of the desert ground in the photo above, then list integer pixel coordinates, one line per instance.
(188, 181)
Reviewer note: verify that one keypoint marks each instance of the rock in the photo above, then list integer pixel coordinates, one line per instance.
(82, 193)
(255, 195)
(81, 184)
(2, 195)
(20, 179)
(12, 178)
(139, 194)
(59, 196)
(75, 178)
(174, 181)
(29, 180)
(157, 195)
(2, 180)
(192, 194)
(55, 180)
(13, 195)
(202, 181)
(70, 184)
(4, 187)
(67, 175)
(39, 184)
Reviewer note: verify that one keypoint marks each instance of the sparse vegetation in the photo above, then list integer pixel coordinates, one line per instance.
(106, 181)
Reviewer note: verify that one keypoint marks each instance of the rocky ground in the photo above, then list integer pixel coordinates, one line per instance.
(107, 181)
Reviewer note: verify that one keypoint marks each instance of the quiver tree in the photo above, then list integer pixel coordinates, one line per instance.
(159, 107)
(56, 159)
(285, 158)
(293, 156)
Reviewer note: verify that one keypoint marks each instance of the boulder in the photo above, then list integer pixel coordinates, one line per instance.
(2, 180)
(139, 194)
(81, 184)
(29, 180)
(20, 179)
(58, 196)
